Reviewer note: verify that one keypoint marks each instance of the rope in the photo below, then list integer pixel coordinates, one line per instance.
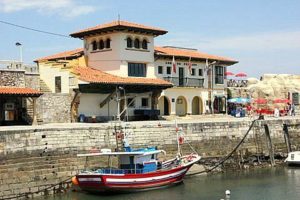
(228, 156)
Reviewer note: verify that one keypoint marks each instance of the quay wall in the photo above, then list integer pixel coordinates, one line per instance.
(34, 158)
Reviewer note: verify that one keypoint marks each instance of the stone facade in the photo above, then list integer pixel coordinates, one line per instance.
(54, 108)
(33, 158)
(12, 78)
(32, 80)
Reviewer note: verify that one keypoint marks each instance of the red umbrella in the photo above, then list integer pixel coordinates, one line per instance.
(281, 101)
(260, 101)
(241, 74)
(229, 73)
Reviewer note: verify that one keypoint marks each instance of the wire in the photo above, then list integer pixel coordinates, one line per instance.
(36, 30)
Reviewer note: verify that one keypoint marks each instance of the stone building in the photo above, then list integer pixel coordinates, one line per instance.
(19, 90)
(120, 73)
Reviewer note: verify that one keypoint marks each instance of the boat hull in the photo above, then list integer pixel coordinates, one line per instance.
(131, 182)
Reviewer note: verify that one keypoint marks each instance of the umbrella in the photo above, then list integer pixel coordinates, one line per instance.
(241, 74)
(229, 73)
(281, 101)
(260, 101)
(239, 100)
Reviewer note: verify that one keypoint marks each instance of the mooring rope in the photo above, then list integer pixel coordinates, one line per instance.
(228, 156)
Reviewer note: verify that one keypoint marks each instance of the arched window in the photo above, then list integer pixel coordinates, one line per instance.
(107, 44)
(137, 43)
(145, 44)
(129, 42)
(101, 44)
(94, 45)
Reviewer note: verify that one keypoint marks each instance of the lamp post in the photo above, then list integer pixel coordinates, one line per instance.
(18, 44)
(209, 66)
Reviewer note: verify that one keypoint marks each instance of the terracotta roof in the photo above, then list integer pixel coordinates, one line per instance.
(66, 54)
(118, 25)
(96, 76)
(173, 51)
(19, 91)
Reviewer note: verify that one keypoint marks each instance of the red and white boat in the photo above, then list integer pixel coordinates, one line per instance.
(137, 170)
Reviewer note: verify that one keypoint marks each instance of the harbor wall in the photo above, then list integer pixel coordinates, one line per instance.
(32, 159)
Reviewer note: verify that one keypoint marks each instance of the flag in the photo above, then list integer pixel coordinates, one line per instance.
(174, 65)
(190, 66)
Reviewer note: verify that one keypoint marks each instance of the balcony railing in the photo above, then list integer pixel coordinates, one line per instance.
(185, 82)
(237, 83)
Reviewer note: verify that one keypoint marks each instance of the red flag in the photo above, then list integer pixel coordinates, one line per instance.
(190, 66)
(174, 65)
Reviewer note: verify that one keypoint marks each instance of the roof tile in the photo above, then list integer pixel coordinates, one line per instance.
(19, 91)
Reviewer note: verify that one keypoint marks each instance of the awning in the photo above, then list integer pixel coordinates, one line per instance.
(16, 91)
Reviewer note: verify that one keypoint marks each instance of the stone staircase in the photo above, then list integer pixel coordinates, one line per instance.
(44, 87)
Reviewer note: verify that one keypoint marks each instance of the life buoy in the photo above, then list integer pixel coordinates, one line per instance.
(74, 180)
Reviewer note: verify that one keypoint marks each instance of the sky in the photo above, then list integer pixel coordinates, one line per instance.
(263, 35)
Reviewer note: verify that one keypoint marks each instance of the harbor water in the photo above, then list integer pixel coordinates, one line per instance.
(256, 184)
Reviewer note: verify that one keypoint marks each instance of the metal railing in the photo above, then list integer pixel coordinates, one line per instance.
(185, 82)
(237, 83)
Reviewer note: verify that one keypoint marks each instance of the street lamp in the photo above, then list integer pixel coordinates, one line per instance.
(209, 66)
(18, 44)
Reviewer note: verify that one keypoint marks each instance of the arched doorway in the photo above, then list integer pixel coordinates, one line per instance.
(220, 105)
(181, 106)
(197, 108)
(164, 105)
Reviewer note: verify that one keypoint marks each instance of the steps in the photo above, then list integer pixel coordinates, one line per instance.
(44, 87)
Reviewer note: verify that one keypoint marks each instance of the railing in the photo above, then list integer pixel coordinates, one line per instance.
(185, 82)
(17, 65)
(237, 83)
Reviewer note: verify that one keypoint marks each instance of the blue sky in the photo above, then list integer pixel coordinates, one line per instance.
(263, 35)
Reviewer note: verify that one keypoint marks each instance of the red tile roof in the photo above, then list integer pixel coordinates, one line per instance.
(172, 51)
(96, 76)
(19, 91)
(118, 25)
(66, 54)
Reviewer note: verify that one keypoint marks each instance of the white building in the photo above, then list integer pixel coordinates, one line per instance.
(120, 58)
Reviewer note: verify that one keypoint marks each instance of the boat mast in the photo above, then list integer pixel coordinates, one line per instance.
(177, 134)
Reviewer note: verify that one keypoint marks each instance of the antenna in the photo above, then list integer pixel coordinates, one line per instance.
(118, 18)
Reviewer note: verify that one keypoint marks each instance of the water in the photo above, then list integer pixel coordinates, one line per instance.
(259, 184)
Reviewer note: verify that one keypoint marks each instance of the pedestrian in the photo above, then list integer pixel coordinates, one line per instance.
(289, 109)
(293, 109)
(249, 110)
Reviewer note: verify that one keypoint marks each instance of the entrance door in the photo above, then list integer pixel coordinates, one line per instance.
(166, 106)
(181, 76)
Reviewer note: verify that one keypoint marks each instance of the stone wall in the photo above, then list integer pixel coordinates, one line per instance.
(12, 78)
(54, 108)
(32, 80)
(32, 158)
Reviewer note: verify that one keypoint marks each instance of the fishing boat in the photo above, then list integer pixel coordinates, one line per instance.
(137, 170)
(293, 158)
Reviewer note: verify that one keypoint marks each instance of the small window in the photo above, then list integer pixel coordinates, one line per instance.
(107, 43)
(94, 45)
(193, 72)
(145, 102)
(145, 44)
(219, 75)
(101, 44)
(129, 42)
(57, 84)
(137, 43)
(160, 69)
(200, 72)
(130, 103)
(168, 70)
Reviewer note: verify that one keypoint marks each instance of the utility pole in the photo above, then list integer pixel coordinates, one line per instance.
(18, 44)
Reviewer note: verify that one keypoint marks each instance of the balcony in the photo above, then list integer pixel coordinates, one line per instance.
(185, 82)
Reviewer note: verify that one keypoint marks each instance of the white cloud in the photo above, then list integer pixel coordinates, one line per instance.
(66, 8)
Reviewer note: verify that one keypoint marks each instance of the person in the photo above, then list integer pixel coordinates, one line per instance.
(249, 110)
(289, 109)
(293, 110)
(276, 112)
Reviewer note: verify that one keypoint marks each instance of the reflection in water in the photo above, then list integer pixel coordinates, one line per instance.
(274, 184)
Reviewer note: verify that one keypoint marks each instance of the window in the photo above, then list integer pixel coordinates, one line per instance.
(101, 44)
(107, 43)
(200, 72)
(219, 75)
(129, 42)
(137, 69)
(137, 43)
(130, 103)
(193, 72)
(94, 45)
(168, 70)
(57, 84)
(145, 102)
(160, 69)
(145, 44)
(295, 98)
